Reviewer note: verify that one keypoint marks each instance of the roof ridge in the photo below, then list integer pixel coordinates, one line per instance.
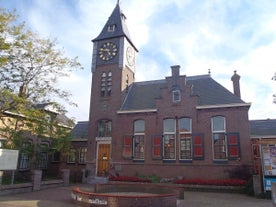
(150, 82)
(195, 77)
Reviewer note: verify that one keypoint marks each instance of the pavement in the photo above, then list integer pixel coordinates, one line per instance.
(61, 197)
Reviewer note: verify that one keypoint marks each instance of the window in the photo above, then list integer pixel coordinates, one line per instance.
(176, 96)
(104, 128)
(109, 83)
(219, 138)
(185, 138)
(106, 83)
(169, 139)
(134, 145)
(71, 156)
(138, 140)
(82, 155)
(127, 82)
(2, 141)
(42, 161)
(24, 163)
(111, 28)
(56, 156)
(103, 84)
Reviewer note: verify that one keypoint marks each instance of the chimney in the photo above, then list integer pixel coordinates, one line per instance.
(236, 84)
(175, 73)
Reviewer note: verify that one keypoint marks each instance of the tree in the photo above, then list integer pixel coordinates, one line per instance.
(30, 67)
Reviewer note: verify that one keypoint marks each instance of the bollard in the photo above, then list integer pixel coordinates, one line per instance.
(66, 176)
(37, 175)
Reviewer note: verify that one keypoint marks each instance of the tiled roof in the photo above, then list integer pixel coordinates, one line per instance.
(210, 92)
(266, 127)
(143, 95)
(80, 131)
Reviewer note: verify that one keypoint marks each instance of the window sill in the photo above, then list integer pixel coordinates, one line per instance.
(185, 161)
(138, 161)
(169, 161)
(220, 161)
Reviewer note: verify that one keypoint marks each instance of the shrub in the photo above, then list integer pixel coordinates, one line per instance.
(226, 182)
(243, 172)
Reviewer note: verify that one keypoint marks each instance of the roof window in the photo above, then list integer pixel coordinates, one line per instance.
(111, 28)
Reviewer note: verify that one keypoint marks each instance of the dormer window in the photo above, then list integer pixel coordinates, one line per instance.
(111, 28)
(176, 95)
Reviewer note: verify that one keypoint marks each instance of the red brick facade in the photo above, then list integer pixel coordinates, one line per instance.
(152, 103)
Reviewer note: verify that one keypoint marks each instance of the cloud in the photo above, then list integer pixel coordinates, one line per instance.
(221, 35)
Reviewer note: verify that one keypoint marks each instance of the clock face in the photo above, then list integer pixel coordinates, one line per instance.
(107, 51)
(130, 54)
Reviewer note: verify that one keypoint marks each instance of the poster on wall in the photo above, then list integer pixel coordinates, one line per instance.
(269, 160)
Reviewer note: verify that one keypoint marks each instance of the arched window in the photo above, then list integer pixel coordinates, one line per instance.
(106, 83)
(139, 140)
(185, 138)
(42, 159)
(219, 138)
(103, 84)
(24, 159)
(169, 139)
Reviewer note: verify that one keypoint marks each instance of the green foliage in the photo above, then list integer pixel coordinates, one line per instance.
(30, 68)
(153, 178)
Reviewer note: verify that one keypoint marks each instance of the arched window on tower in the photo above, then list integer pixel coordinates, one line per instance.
(109, 83)
(127, 82)
(103, 84)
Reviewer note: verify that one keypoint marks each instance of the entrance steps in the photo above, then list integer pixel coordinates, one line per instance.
(97, 180)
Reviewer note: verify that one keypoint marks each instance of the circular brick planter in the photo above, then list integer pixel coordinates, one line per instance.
(125, 195)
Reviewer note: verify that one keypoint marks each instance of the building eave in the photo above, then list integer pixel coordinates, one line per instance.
(223, 106)
(79, 140)
(137, 111)
(262, 136)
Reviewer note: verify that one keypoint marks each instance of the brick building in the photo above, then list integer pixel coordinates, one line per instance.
(181, 125)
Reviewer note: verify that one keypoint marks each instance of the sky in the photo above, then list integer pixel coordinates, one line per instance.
(198, 35)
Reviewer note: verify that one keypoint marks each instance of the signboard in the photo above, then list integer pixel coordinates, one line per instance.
(267, 183)
(8, 159)
(269, 160)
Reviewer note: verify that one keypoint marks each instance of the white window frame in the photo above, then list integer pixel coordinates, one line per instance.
(176, 96)
(82, 155)
(222, 132)
(189, 132)
(72, 153)
(168, 133)
(139, 133)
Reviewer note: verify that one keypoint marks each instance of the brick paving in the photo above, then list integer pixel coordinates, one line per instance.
(61, 197)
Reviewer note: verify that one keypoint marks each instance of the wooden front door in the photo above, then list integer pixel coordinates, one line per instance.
(103, 160)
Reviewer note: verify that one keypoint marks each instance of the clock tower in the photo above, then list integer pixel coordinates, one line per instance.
(113, 71)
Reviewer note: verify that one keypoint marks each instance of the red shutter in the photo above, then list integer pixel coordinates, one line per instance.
(127, 147)
(157, 147)
(198, 146)
(233, 142)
